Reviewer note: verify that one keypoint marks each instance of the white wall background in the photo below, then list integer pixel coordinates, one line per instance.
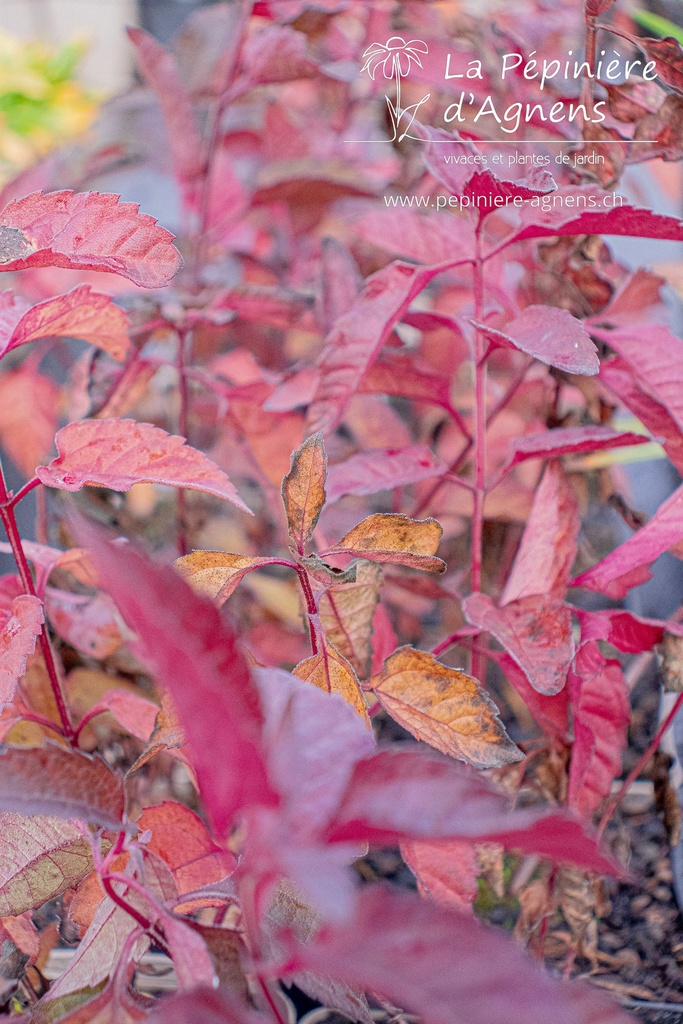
(108, 62)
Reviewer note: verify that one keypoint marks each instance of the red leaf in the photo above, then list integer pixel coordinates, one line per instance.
(551, 713)
(603, 219)
(487, 185)
(668, 55)
(626, 566)
(550, 335)
(18, 636)
(81, 313)
(86, 231)
(86, 621)
(119, 453)
(551, 444)
(358, 336)
(430, 960)
(445, 872)
(341, 281)
(536, 632)
(619, 378)
(134, 712)
(382, 469)
(158, 68)
(405, 793)
(193, 652)
(65, 783)
(28, 416)
(548, 547)
(181, 839)
(424, 237)
(622, 629)
(397, 375)
(601, 719)
(277, 54)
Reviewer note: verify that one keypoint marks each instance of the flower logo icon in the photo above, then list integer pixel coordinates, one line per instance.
(395, 58)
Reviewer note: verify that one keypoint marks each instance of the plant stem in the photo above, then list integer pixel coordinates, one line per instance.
(14, 499)
(10, 524)
(184, 341)
(145, 923)
(478, 664)
(642, 762)
(270, 1000)
(311, 607)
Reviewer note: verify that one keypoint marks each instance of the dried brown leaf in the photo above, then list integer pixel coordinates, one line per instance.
(346, 614)
(216, 573)
(303, 490)
(331, 672)
(390, 537)
(444, 707)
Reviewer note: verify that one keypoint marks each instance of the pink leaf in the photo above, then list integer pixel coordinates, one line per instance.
(536, 632)
(29, 404)
(655, 357)
(626, 566)
(404, 793)
(81, 313)
(551, 712)
(548, 547)
(619, 378)
(551, 444)
(18, 636)
(134, 712)
(397, 375)
(550, 335)
(277, 54)
(424, 237)
(599, 217)
(430, 960)
(65, 783)
(341, 281)
(207, 1006)
(382, 469)
(181, 839)
(623, 630)
(358, 336)
(119, 453)
(86, 621)
(159, 70)
(86, 231)
(487, 185)
(193, 652)
(601, 719)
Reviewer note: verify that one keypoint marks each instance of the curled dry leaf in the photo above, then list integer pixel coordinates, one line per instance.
(332, 673)
(18, 636)
(66, 783)
(119, 453)
(217, 573)
(303, 490)
(86, 230)
(42, 858)
(81, 313)
(390, 537)
(444, 707)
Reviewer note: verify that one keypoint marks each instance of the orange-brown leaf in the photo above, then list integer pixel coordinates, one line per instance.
(330, 672)
(182, 840)
(346, 615)
(389, 537)
(303, 490)
(119, 453)
(216, 573)
(445, 708)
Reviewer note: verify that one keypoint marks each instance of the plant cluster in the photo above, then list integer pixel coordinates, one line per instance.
(373, 428)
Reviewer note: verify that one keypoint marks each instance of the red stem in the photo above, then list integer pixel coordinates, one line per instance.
(270, 1000)
(642, 762)
(14, 499)
(144, 922)
(478, 665)
(10, 523)
(311, 607)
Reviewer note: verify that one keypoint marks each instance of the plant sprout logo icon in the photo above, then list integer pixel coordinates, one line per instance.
(395, 58)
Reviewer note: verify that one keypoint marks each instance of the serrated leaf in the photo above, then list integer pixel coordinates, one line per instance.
(390, 537)
(444, 707)
(42, 857)
(66, 783)
(18, 635)
(332, 673)
(346, 615)
(536, 632)
(551, 444)
(81, 313)
(86, 231)
(303, 490)
(119, 453)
